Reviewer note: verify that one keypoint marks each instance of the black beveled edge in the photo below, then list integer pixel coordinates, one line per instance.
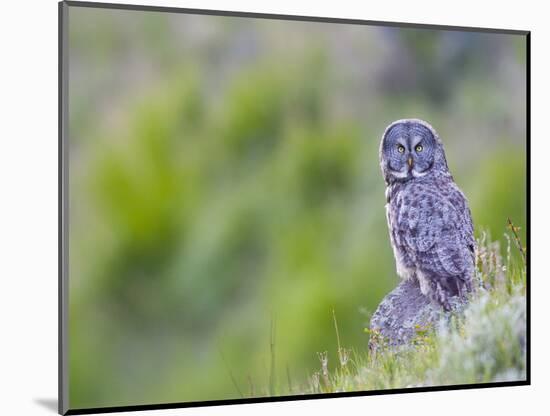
(315, 396)
(63, 381)
(528, 202)
(275, 16)
(62, 209)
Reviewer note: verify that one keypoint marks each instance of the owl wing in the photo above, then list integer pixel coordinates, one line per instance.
(438, 231)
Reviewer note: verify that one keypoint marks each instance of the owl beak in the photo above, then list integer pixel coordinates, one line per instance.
(410, 162)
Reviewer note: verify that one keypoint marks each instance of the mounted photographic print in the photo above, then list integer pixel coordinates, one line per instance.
(263, 207)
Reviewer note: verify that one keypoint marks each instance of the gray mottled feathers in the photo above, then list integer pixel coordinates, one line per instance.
(428, 217)
(432, 236)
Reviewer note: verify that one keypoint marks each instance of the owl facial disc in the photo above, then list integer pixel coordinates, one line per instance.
(410, 148)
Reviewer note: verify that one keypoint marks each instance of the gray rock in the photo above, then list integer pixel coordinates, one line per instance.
(401, 315)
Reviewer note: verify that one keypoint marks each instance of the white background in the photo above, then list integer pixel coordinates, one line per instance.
(28, 205)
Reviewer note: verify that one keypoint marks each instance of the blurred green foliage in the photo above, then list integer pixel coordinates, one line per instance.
(225, 184)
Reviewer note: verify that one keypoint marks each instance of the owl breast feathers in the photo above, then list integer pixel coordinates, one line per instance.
(428, 216)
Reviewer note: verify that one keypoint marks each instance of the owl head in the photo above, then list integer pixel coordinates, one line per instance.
(411, 148)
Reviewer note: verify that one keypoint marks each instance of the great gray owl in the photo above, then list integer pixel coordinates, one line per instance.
(429, 221)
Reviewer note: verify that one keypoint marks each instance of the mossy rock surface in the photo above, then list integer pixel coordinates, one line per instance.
(402, 315)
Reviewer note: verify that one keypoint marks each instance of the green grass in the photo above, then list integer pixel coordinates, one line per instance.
(485, 343)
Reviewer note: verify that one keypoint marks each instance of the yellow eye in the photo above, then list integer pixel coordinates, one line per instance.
(400, 149)
(418, 148)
